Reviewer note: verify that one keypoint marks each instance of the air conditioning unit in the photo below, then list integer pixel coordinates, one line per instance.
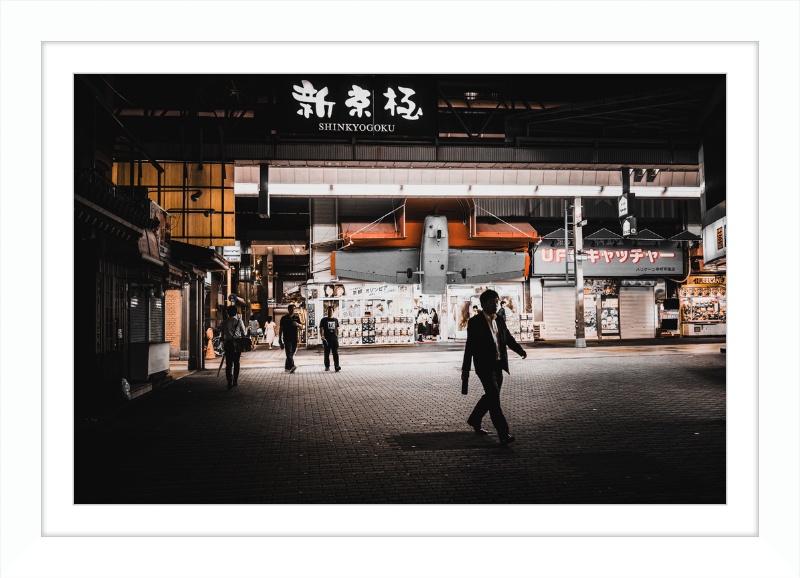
(539, 331)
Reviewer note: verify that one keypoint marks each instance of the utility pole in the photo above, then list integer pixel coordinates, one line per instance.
(577, 234)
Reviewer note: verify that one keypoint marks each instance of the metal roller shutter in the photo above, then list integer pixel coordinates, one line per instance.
(138, 317)
(637, 312)
(559, 312)
(157, 320)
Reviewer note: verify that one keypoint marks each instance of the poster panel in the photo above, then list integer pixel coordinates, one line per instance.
(331, 303)
(590, 316)
(609, 315)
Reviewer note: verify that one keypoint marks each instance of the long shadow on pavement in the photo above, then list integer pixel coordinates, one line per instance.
(417, 442)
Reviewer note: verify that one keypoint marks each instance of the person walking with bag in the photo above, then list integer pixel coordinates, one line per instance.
(329, 327)
(269, 329)
(232, 329)
(287, 336)
(254, 331)
(434, 325)
(487, 338)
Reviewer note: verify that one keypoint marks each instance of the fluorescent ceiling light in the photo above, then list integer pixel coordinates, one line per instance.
(245, 189)
(478, 191)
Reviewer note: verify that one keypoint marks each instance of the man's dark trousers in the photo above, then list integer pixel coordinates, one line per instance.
(232, 358)
(492, 381)
(331, 348)
(290, 347)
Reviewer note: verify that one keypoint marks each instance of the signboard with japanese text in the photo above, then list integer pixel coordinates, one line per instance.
(715, 240)
(624, 260)
(362, 291)
(626, 205)
(343, 106)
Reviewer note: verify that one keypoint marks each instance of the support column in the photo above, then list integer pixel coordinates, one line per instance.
(268, 267)
(184, 355)
(577, 233)
(196, 354)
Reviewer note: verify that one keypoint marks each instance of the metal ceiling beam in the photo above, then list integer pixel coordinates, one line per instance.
(619, 100)
(566, 115)
(130, 136)
(450, 106)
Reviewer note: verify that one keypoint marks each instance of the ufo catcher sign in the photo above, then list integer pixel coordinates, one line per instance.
(624, 260)
(342, 106)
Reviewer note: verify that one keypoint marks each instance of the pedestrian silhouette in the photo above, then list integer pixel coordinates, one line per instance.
(329, 327)
(232, 329)
(487, 338)
(287, 336)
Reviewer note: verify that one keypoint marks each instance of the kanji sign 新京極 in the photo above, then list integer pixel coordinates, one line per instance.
(358, 104)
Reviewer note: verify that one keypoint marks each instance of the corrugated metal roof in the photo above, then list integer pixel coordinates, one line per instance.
(502, 207)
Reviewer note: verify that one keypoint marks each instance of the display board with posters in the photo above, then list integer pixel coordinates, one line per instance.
(311, 326)
(511, 301)
(590, 315)
(370, 313)
(464, 303)
(609, 315)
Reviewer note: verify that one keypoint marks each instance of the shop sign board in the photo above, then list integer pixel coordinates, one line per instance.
(367, 290)
(335, 105)
(706, 280)
(626, 204)
(715, 240)
(624, 260)
(629, 226)
(232, 253)
(609, 315)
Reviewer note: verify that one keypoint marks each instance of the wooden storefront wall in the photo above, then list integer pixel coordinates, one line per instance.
(195, 228)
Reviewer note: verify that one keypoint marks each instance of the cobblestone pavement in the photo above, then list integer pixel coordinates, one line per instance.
(602, 429)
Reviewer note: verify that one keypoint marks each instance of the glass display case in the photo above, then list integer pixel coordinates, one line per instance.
(703, 310)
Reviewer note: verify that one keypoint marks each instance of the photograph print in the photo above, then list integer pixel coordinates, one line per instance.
(527, 276)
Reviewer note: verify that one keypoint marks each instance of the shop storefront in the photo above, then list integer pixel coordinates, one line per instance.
(368, 313)
(384, 314)
(621, 284)
(703, 306)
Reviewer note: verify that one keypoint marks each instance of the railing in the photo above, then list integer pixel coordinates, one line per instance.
(93, 186)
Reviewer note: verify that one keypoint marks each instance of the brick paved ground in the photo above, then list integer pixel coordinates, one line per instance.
(632, 429)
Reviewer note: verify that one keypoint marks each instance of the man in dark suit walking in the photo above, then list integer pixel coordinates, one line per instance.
(487, 338)
(501, 312)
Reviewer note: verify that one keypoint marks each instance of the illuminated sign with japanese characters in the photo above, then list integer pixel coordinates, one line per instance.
(337, 105)
(624, 260)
